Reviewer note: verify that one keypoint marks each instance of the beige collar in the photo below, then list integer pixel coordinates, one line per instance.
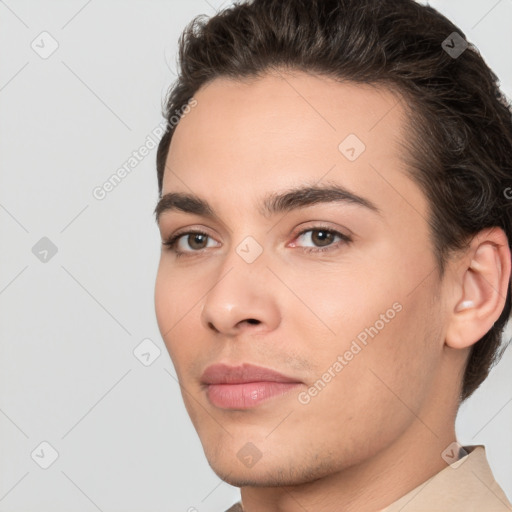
(466, 485)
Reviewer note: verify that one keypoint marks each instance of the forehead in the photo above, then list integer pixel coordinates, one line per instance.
(278, 130)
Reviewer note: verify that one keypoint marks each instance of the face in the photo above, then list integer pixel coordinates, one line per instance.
(336, 294)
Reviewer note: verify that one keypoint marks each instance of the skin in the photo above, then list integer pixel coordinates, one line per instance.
(357, 443)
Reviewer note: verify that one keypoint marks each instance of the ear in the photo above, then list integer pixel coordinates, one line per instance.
(482, 283)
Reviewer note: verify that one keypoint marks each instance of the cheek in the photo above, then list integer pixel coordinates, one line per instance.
(173, 301)
(368, 403)
(384, 335)
(339, 302)
(164, 300)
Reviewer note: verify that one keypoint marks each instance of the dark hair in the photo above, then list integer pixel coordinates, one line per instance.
(460, 152)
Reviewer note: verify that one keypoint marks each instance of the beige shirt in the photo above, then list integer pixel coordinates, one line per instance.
(467, 485)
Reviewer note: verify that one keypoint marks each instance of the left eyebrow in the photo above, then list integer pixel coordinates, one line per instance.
(271, 204)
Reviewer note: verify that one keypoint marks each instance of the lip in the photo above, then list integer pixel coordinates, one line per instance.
(245, 386)
(225, 374)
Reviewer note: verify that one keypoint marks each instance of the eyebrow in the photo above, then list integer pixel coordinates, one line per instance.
(272, 204)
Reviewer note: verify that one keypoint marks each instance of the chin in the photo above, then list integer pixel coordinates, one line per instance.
(270, 472)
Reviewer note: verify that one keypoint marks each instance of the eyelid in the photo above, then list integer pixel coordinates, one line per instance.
(322, 225)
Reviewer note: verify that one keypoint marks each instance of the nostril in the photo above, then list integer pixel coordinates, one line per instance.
(253, 321)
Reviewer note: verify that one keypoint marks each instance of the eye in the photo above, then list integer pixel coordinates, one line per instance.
(193, 238)
(324, 237)
(319, 235)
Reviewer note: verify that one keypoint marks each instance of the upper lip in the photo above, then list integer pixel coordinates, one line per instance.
(225, 374)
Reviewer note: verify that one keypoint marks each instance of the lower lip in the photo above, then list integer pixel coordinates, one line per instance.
(246, 395)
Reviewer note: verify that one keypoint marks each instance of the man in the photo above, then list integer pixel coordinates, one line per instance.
(335, 274)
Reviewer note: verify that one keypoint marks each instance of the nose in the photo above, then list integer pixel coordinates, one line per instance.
(243, 298)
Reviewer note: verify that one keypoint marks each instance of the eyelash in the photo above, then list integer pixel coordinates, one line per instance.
(172, 241)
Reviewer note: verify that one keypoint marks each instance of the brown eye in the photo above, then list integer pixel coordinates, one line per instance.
(188, 243)
(322, 237)
(196, 240)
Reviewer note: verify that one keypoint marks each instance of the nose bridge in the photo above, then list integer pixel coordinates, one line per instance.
(246, 255)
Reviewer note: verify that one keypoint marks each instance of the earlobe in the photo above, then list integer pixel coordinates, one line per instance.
(483, 284)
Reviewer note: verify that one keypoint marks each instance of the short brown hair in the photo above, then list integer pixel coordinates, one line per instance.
(460, 152)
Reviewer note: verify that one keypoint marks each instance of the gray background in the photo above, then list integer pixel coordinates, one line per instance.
(69, 325)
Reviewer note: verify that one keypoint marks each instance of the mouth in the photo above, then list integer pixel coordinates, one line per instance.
(244, 387)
